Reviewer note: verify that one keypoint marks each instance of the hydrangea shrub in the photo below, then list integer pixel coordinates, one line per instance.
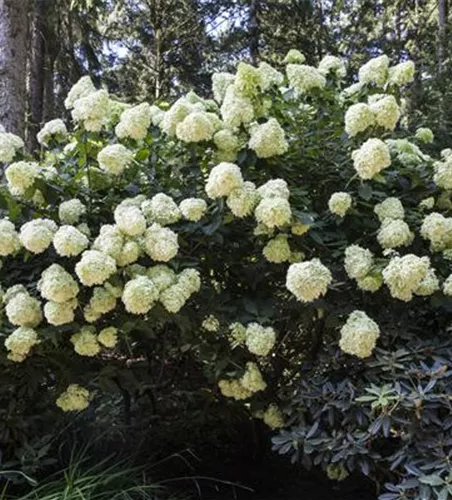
(288, 240)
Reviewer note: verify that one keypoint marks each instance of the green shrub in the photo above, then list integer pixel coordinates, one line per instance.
(249, 247)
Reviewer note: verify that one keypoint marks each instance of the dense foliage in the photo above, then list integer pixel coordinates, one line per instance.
(282, 248)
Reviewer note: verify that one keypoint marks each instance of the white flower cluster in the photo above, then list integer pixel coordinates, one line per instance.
(85, 342)
(93, 110)
(220, 83)
(277, 250)
(294, 56)
(160, 243)
(443, 173)
(438, 230)
(425, 135)
(339, 203)
(223, 179)
(332, 64)
(37, 235)
(259, 340)
(243, 199)
(70, 211)
(69, 241)
(358, 261)
(74, 398)
(21, 176)
(134, 122)
(9, 238)
(193, 209)
(308, 280)
(375, 71)
(390, 208)
(82, 88)
(243, 388)
(358, 118)
(359, 335)
(394, 233)
(268, 139)
(371, 158)
(20, 343)
(386, 111)
(114, 159)
(274, 208)
(402, 73)
(52, 129)
(195, 127)
(405, 276)
(94, 268)
(21, 308)
(9, 145)
(407, 153)
(303, 78)
(273, 417)
(236, 108)
(57, 285)
(162, 209)
(211, 323)
(269, 76)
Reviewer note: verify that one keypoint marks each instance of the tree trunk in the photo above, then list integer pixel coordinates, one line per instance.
(442, 22)
(254, 31)
(37, 68)
(13, 64)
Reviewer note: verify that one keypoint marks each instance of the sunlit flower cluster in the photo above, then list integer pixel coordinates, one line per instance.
(339, 203)
(308, 280)
(359, 335)
(371, 158)
(74, 398)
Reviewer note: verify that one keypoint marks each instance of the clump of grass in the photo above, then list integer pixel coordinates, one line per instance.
(108, 479)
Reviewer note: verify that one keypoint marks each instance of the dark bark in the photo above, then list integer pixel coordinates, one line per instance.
(37, 73)
(254, 31)
(13, 64)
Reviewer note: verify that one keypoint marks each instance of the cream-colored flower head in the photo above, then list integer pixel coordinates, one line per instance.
(37, 235)
(390, 208)
(85, 342)
(223, 179)
(308, 280)
(130, 220)
(134, 122)
(54, 128)
(339, 203)
(140, 295)
(402, 73)
(259, 340)
(403, 275)
(371, 158)
(386, 111)
(243, 200)
(273, 212)
(211, 323)
(394, 234)
(359, 335)
(358, 261)
(161, 209)
(20, 342)
(114, 159)
(70, 211)
(193, 209)
(375, 71)
(68, 241)
(108, 337)
(57, 284)
(277, 250)
(196, 127)
(9, 238)
(160, 243)
(95, 268)
(23, 310)
(21, 176)
(75, 398)
(303, 78)
(268, 139)
(358, 118)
